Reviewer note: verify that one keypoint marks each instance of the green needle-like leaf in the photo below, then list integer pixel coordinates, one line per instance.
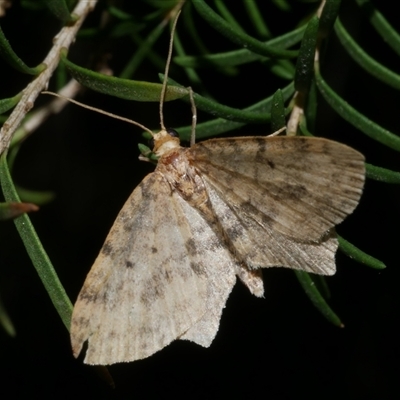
(241, 56)
(278, 119)
(227, 15)
(8, 104)
(311, 111)
(380, 23)
(358, 255)
(328, 16)
(222, 111)
(144, 48)
(191, 73)
(118, 13)
(39, 197)
(218, 126)
(382, 174)
(241, 39)
(123, 88)
(305, 61)
(148, 153)
(364, 60)
(309, 286)
(281, 68)
(303, 129)
(35, 250)
(59, 8)
(281, 4)
(256, 18)
(8, 54)
(355, 118)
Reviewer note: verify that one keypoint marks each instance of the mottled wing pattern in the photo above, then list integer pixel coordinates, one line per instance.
(161, 275)
(258, 245)
(219, 267)
(301, 186)
(278, 198)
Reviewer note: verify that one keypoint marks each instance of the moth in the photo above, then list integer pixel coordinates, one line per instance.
(219, 210)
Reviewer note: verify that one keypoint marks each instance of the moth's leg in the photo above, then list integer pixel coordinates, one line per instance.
(277, 132)
(252, 278)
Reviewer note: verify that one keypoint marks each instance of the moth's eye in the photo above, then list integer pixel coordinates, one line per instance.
(172, 132)
(151, 143)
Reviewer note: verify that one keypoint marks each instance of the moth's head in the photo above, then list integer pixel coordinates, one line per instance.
(164, 141)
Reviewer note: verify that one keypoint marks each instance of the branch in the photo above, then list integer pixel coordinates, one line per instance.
(31, 92)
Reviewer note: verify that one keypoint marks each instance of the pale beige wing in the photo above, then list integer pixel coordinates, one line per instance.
(258, 245)
(300, 187)
(220, 268)
(153, 280)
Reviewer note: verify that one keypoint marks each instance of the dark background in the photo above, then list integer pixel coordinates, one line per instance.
(278, 347)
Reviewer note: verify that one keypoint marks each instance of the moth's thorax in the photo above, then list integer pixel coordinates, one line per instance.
(183, 176)
(164, 142)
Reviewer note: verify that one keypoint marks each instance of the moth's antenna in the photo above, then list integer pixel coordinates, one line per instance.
(164, 86)
(100, 111)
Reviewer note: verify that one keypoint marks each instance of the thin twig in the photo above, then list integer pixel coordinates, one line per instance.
(62, 40)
